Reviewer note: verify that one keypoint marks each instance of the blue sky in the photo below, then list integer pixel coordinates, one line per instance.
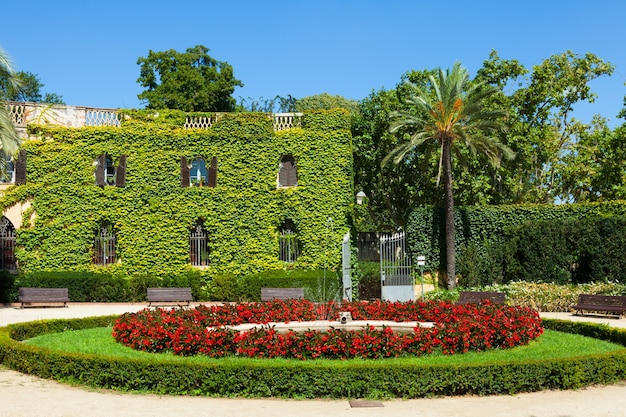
(87, 51)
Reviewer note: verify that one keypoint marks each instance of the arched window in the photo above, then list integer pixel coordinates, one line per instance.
(288, 242)
(104, 245)
(199, 245)
(7, 245)
(287, 174)
(198, 174)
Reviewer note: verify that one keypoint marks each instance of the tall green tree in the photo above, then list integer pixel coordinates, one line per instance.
(27, 86)
(594, 168)
(325, 101)
(188, 81)
(449, 114)
(541, 129)
(9, 141)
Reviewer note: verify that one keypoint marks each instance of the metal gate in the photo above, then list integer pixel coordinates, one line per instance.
(395, 269)
(346, 267)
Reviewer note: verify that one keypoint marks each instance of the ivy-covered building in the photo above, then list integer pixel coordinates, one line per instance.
(147, 196)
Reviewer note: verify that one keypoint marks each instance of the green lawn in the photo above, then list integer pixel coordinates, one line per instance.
(550, 345)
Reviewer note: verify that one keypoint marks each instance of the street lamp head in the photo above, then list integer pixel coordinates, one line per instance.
(360, 196)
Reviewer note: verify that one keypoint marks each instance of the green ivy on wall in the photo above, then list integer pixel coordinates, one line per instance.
(152, 215)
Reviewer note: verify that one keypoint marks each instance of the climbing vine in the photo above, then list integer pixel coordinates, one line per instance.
(152, 215)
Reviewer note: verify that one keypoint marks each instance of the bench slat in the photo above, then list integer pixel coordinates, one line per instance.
(43, 296)
(600, 303)
(169, 295)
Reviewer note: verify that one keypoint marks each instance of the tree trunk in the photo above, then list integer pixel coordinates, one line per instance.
(448, 208)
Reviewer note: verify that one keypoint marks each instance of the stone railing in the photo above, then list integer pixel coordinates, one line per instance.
(76, 116)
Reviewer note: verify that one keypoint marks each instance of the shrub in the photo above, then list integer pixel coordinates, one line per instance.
(538, 296)
(373, 379)
(311, 280)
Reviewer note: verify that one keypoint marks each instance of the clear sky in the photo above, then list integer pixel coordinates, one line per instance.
(87, 51)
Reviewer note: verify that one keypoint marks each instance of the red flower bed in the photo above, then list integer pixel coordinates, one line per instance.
(457, 329)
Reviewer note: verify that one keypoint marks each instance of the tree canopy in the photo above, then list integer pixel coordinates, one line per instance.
(189, 81)
(26, 86)
(446, 114)
(557, 158)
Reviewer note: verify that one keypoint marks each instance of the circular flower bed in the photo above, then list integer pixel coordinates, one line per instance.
(457, 329)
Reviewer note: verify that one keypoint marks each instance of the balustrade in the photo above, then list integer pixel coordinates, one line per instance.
(23, 113)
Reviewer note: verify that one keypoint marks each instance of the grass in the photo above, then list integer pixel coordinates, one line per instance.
(551, 345)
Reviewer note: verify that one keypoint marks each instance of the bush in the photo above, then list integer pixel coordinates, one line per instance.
(297, 379)
(311, 280)
(546, 297)
(368, 279)
(598, 227)
(83, 286)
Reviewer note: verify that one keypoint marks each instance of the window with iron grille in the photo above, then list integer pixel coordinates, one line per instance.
(7, 174)
(287, 173)
(288, 242)
(7, 245)
(199, 246)
(104, 245)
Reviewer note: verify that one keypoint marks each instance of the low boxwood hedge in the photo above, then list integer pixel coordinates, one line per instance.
(297, 379)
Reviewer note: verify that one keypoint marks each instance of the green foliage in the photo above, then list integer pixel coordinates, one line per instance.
(28, 88)
(482, 231)
(152, 215)
(334, 119)
(367, 280)
(569, 250)
(311, 280)
(545, 297)
(325, 101)
(373, 379)
(556, 157)
(188, 81)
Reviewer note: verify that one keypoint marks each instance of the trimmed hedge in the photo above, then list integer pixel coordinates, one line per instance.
(100, 286)
(555, 243)
(296, 379)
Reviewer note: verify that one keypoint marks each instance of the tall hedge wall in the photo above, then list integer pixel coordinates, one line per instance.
(479, 229)
(152, 214)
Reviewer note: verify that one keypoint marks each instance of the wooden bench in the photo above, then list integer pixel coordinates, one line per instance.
(31, 297)
(609, 304)
(169, 296)
(268, 294)
(476, 297)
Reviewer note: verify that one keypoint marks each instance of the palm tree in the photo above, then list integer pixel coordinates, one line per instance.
(449, 113)
(9, 141)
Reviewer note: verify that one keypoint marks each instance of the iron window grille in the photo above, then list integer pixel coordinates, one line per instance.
(288, 243)
(7, 245)
(104, 246)
(199, 246)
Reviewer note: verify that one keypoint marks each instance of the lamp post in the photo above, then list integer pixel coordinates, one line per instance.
(360, 196)
(421, 261)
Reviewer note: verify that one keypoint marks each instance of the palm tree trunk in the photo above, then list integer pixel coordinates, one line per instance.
(448, 208)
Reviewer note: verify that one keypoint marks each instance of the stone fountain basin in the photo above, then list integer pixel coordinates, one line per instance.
(325, 325)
